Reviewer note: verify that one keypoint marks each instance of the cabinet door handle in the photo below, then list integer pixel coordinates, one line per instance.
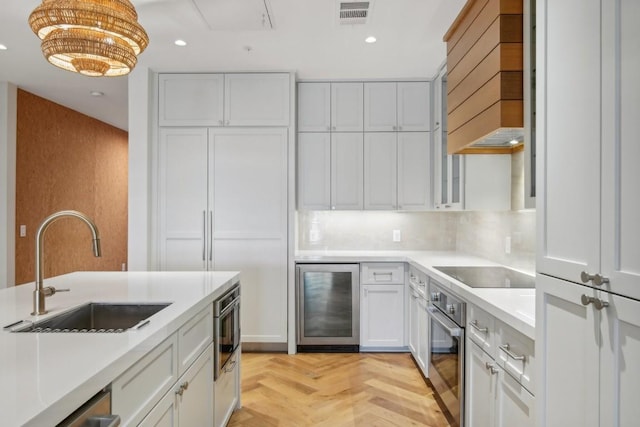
(204, 234)
(597, 279)
(492, 367)
(505, 348)
(211, 235)
(475, 326)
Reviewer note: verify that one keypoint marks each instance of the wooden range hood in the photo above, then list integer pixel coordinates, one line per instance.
(484, 77)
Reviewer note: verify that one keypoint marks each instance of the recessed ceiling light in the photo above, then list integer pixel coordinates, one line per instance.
(513, 142)
(96, 93)
(370, 39)
(180, 43)
(3, 47)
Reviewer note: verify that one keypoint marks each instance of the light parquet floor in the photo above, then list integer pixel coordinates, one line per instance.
(335, 390)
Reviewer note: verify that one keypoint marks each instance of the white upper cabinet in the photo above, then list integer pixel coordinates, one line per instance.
(346, 107)
(256, 99)
(330, 107)
(380, 171)
(414, 171)
(397, 171)
(314, 107)
(242, 99)
(314, 171)
(401, 106)
(414, 106)
(380, 105)
(347, 171)
(590, 205)
(620, 252)
(191, 99)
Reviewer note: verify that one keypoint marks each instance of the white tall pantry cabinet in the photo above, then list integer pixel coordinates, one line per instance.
(222, 193)
(588, 283)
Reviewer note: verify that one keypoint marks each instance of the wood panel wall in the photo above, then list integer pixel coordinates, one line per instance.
(66, 160)
(484, 71)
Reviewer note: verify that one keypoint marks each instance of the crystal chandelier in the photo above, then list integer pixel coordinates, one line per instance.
(91, 37)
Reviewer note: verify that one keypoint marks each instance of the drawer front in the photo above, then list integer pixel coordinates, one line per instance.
(136, 392)
(194, 336)
(383, 273)
(515, 352)
(418, 281)
(481, 329)
(226, 391)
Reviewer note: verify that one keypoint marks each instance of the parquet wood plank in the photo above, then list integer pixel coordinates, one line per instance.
(335, 390)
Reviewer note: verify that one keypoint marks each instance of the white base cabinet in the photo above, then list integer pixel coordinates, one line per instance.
(382, 313)
(495, 397)
(173, 384)
(184, 405)
(498, 369)
(588, 377)
(227, 391)
(418, 326)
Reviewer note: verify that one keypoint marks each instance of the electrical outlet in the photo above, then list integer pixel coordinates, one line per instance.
(124, 266)
(507, 245)
(314, 235)
(397, 236)
(23, 231)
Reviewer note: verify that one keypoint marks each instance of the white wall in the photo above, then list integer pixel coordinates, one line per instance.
(8, 120)
(139, 233)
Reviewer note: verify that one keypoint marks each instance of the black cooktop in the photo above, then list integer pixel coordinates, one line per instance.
(489, 277)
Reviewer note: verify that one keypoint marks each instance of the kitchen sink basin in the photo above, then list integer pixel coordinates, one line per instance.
(96, 317)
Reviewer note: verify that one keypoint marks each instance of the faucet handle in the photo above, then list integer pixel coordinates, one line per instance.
(50, 290)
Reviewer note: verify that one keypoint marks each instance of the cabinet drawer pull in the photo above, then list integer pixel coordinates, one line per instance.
(231, 366)
(512, 355)
(383, 276)
(475, 326)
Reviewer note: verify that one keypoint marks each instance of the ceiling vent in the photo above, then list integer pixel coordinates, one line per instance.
(354, 12)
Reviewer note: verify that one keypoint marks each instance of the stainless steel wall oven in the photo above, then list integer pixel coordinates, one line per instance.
(226, 329)
(328, 307)
(447, 316)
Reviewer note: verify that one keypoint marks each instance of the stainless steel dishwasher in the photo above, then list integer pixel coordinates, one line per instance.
(328, 307)
(94, 413)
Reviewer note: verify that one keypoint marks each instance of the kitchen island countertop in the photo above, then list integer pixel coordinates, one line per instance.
(46, 376)
(513, 306)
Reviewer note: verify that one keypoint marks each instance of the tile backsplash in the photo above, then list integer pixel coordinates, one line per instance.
(477, 233)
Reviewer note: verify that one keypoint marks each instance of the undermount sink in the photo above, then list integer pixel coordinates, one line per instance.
(96, 317)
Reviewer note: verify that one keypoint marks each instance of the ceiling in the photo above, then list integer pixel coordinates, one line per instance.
(306, 38)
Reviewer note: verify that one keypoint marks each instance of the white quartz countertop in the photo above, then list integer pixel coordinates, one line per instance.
(45, 377)
(513, 306)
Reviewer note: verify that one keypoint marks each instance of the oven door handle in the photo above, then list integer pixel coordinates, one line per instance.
(233, 304)
(453, 329)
